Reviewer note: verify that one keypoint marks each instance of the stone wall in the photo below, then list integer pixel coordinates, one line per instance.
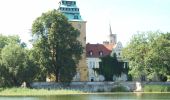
(95, 86)
(85, 86)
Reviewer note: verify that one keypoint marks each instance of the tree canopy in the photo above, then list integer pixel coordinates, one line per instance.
(148, 54)
(55, 40)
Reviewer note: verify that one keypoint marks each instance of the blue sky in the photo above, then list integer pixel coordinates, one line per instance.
(126, 17)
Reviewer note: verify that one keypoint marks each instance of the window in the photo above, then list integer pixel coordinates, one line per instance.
(90, 64)
(75, 17)
(69, 3)
(100, 53)
(93, 65)
(90, 53)
(119, 53)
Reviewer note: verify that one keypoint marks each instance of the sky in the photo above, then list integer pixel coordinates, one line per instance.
(126, 17)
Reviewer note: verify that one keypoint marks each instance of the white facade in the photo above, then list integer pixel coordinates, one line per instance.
(118, 50)
(93, 63)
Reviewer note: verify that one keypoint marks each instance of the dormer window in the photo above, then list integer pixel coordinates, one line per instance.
(90, 53)
(101, 53)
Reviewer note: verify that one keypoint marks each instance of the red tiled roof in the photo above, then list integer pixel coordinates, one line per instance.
(106, 49)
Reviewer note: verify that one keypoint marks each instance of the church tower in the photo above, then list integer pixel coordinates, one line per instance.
(113, 37)
(72, 12)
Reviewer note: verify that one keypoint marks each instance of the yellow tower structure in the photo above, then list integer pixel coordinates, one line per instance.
(71, 11)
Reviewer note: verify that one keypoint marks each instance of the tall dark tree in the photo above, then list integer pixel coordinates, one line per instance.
(56, 42)
(110, 66)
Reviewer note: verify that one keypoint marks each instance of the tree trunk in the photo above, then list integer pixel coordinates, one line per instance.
(57, 76)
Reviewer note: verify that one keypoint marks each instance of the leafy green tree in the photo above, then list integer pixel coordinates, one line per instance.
(17, 67)
(15, 64)
(158, 57)
(110, 66)
(56, 42)
(148, 55)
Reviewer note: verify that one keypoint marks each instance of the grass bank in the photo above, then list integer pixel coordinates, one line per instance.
(35, 92)
(156, 88)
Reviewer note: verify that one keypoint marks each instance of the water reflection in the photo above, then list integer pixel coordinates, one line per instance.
(125, 96)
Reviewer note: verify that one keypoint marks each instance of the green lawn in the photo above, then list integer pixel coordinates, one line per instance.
(156, 88)
(35, 92)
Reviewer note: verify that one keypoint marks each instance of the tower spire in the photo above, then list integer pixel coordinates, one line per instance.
(110, 28)
(113, 37)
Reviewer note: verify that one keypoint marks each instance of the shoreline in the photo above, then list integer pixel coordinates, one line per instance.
(26, 92)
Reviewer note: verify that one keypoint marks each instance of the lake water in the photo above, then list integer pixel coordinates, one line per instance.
(127, 96)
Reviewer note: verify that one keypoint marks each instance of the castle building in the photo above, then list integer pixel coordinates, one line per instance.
(72, 12)
(93, 54)
(95, 51)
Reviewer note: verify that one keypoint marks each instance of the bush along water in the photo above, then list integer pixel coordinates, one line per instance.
(156, 88)
(119, 88)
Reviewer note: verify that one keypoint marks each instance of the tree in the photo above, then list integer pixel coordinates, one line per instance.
(158, 57)
(148, 55)
(110, 66)
(56, 42)
(15, 64)
(17, 67)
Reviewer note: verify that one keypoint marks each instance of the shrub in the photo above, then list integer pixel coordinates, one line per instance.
(163, 78)
(100, 90)
(119, 89)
